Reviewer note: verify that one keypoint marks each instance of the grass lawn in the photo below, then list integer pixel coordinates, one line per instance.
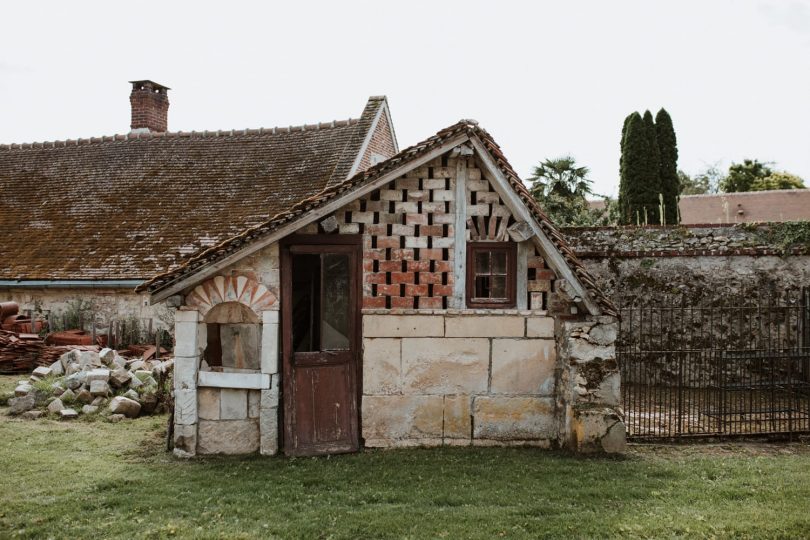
(94, 480)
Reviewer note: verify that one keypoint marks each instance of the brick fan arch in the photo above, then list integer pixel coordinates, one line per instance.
(221, 289)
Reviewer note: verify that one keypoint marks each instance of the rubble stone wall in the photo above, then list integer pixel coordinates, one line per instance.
(459, 378)
(639, 265)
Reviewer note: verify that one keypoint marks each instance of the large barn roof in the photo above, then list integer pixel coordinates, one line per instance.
(131, 206)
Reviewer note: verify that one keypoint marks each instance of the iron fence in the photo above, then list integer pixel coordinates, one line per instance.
(717, 370)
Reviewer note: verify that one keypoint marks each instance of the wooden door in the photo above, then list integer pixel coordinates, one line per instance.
(320, 326)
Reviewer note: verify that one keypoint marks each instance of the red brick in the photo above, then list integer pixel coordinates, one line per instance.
(390, 266)
(374, 302)
(416, 219)
(544, 274)
(401, 254)
(379, 229)
(402, 277)
(387, 242)
(430, 277)
(388, 290)
(536, 262)
(418, 266)
(368, 265)
(435, 254)
(374, 277)
(443, 266)
(431, 230)
(442, 290)
(402, 302)
(427, 302)
(416, 290)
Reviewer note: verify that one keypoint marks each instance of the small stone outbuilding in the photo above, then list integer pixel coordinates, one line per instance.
(425, 300)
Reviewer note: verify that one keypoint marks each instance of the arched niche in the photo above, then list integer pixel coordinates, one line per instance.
(233, 338)
(222, 289)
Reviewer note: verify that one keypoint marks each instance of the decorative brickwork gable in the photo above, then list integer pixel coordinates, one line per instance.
(382, 144)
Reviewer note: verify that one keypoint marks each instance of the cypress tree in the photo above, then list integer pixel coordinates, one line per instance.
(624, 209)
(635, 152)
(668, 149)
(652, 172)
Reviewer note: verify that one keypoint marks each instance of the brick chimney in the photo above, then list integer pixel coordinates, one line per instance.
(150, 107)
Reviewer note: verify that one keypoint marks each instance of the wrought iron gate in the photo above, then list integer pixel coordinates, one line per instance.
(717, 371)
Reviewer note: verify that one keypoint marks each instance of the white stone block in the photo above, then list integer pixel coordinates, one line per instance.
(445, 365)
(228, 437)
(268, 431)
(402, 417)
(185, 372)
(256, 381)
(540, 327)
(523, 366)
(270, 335)
(185, 407)
(382, 369)
(190, 315)
(185, 336)
(208, 403)
(403, 326)
(485, 326)
(233, 404)
(513, 418)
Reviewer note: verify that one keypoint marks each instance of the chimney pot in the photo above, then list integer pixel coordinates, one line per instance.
(150, 107)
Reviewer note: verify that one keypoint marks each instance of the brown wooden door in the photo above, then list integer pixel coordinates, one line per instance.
(320, 325)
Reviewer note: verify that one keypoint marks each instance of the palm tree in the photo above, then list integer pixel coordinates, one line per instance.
(561, 188)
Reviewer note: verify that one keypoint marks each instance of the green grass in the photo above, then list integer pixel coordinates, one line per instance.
(93, 480)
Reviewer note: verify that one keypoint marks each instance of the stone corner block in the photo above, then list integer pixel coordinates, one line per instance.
(598, 430)
(382, 373)
(540, 327)
(523, 366)
(186, 316)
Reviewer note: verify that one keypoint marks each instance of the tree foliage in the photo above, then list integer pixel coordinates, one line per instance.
(640, 186)
(753, 175)
(561, 187)
(705, 181)
(668, 150)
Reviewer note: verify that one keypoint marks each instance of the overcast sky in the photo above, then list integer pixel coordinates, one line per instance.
(545, 78)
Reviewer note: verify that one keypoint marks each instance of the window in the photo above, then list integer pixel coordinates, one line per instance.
(491, 274)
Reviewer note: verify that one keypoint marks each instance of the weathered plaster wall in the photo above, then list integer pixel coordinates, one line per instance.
(108, 304)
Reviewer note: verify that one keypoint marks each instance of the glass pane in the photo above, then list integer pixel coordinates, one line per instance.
(498, 289)
(306, 296)
(482, 262)
(499, 262)
(482, 286)
(335, 309)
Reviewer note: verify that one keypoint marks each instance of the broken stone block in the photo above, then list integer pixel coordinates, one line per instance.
(99, 388)
(89, 359)
(98, 402)
(135, 383)
(21, 404)
(126, 406)
(55, 406)
(84, 396)
(68, 414)
(119, 362)
(76, 380)
(137, 365)
(89, 409)
(72, 369)
(100, 374)
(41, 372)
(57, 389)
(107, 356)
(149, 403)
(120, 377)
(57, 368)
(23, 389)
(68, 395)
(116, 417)
(131, 394)
(32, 415)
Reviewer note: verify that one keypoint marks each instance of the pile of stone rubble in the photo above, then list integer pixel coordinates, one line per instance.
(85, 382)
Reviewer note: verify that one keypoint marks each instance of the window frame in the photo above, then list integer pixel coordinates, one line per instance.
(510, 248)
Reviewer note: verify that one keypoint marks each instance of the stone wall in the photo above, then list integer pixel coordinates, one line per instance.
(505, 377)
(695, 264)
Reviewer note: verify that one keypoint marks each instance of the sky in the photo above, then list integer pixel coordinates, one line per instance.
(545, 78)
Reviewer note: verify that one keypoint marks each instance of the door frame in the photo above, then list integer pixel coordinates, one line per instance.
(325, 240)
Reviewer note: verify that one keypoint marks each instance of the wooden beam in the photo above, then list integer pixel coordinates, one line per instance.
(461, 154)
(303, 221)
(553, 257)
(524, 249)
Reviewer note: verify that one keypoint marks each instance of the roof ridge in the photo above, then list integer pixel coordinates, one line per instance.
(277, 130)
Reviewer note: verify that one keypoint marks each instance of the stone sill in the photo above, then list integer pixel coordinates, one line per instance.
(251, 381)
(523, 312)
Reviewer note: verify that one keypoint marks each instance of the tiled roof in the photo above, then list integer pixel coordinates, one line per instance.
(464, 127)
(130, 206)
